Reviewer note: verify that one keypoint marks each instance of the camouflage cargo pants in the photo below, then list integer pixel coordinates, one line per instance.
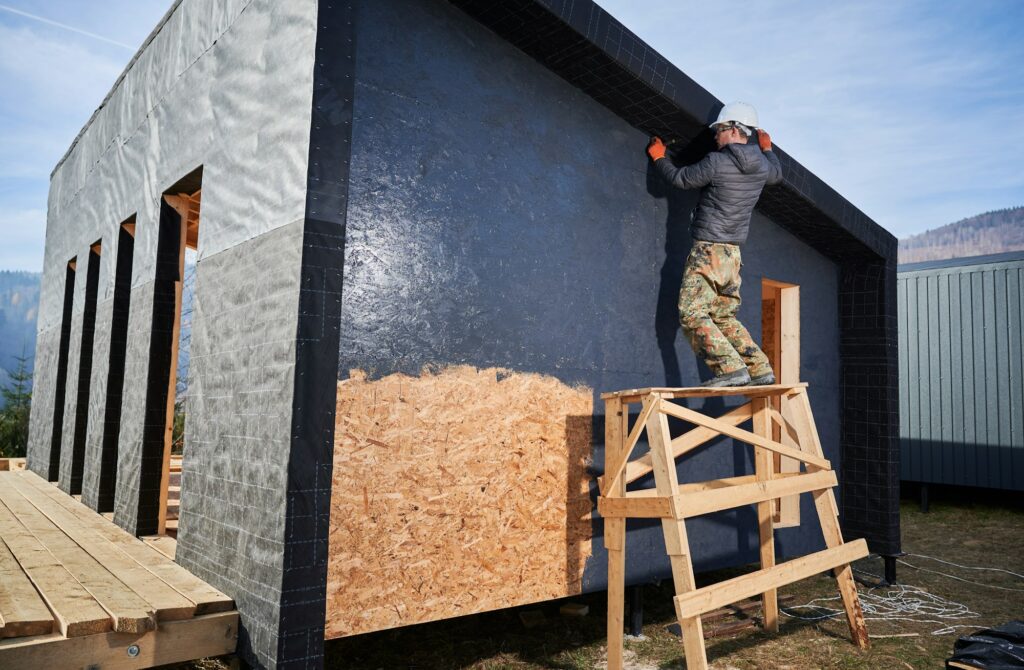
(708, 301)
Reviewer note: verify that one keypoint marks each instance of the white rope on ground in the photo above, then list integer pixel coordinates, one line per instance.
(901, 602)
(963, 567)
(896, 603)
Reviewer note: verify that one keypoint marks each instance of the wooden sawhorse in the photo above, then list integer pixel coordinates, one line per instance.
(673, 503)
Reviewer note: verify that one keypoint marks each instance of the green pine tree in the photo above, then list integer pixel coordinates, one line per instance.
(17, 396)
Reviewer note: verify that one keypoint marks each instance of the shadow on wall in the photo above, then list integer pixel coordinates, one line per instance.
(581, 495)
(990, 466)
(681, 207)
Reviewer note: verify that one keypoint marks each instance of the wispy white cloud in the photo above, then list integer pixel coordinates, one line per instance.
(912, 110)
(47, 74)
(51, 88)
(54, 71)
(64, 26)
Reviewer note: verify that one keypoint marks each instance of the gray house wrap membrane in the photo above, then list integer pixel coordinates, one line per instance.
(226, 86)
(470, 202)
(590, 49)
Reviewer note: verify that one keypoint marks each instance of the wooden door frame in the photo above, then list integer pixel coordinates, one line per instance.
(780, 335)
(187, 207)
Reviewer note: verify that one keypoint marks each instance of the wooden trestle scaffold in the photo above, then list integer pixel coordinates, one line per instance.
(782, 410)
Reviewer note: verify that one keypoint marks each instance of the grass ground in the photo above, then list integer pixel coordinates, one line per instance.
(966, 527)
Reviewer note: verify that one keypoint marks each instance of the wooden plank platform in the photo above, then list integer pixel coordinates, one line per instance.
(635, 395)
(75, 588)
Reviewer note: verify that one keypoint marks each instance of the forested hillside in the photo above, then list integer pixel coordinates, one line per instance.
(19, 304)
(989, 233)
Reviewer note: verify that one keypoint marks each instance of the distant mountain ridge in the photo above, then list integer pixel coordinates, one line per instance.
(993, 232)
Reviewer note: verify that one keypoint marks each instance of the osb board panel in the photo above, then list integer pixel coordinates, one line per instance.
(458, 491)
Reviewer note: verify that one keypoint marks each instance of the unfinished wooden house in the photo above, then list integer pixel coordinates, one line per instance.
(427, 239)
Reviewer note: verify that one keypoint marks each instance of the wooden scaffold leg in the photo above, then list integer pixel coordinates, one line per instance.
(828, 517)
(676, 541)
(783, 427)
(615, 425)
(763, 467)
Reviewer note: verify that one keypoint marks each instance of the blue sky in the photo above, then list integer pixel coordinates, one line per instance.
(52, 79)
(913, 110)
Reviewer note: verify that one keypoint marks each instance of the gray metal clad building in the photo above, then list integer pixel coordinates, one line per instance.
(962, 371)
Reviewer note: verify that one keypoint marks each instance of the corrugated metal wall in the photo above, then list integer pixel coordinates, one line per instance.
(961, 371)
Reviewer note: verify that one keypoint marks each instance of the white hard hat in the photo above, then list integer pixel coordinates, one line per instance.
(738, 112)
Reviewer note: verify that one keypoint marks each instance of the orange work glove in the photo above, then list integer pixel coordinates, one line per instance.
(656, 148)
(764, 139)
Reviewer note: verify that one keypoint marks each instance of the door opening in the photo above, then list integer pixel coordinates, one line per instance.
(159, 488)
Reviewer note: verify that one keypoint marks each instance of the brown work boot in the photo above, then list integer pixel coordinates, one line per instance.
(738, 378)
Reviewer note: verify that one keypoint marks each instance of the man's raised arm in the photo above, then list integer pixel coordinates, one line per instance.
(689, 176)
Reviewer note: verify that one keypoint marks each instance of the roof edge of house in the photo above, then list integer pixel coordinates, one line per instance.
(962, 262)
(556, 33)
(591, 23)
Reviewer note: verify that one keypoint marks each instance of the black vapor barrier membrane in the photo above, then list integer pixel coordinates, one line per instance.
(501, 218)
(586, 46)
(999, 648)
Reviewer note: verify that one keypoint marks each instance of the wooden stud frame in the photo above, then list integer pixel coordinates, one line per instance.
(785, 431)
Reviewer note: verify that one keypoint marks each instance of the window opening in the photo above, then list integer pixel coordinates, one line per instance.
(53, 471)
(115, 365)
(92, 283)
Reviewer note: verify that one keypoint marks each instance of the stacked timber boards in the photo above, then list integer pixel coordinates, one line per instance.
(12, 464)
(76, 590)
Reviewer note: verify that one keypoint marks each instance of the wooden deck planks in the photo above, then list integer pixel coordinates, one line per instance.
(167, 546)
(74, 609)
(76, 591)
(130, 613)
(171, 642)
(166, 602)
(22, 611)
(206, 598)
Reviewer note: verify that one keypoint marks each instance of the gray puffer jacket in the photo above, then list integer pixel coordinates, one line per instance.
(731, 180)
